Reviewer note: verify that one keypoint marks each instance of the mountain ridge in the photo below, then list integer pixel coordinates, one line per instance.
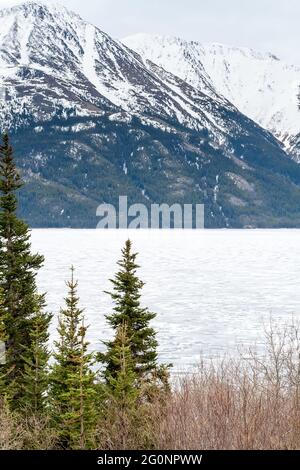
(260, 85)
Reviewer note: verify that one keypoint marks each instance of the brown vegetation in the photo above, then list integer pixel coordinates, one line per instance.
(252, 402)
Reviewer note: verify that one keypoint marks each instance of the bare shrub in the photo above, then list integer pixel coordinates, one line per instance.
(11, 434)
(18, 432)
(249, 403)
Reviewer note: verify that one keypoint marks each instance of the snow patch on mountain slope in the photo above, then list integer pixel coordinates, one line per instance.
(26, 28)
(88, 59)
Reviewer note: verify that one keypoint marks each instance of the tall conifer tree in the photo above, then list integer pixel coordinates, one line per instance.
(21, 302)
(120, 401)
(126, 295)
(72, 389)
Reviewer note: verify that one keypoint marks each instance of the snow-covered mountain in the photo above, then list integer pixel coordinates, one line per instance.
(76, 67)
(260, 85)
(91, 120)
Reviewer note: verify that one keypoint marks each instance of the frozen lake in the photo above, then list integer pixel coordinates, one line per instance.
(211, 290)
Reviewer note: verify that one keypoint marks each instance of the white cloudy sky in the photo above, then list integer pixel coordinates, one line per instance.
(267, 25)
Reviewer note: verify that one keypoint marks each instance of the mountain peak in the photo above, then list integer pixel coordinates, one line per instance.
(39, 9)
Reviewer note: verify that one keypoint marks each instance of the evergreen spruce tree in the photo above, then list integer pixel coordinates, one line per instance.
(36, 374)
(2, 331)
(122, 386)
(2, 349)
(21, 303)
(120, 401)
(72, 389)
(126, 295)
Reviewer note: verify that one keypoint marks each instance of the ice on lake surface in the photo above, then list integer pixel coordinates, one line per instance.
(213, 290)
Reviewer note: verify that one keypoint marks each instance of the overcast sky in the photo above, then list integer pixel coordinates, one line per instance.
(267, 25)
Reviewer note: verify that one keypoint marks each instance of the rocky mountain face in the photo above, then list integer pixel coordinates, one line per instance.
(261, 86)
(92, 119)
